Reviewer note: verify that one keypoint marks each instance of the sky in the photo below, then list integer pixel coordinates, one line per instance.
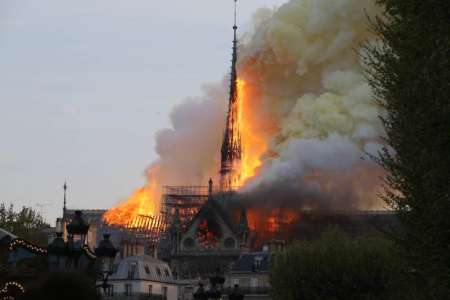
(84, 86)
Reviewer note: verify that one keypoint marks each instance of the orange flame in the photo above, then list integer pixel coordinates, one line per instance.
(253, 142)
(141, 203)
(269, 222)
(254, 136)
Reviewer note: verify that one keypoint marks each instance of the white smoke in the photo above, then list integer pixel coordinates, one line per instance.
(189, 150)
(302, 58)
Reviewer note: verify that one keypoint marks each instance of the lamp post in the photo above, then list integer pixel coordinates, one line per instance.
(106, 253)
(77, 231)
(57, 252)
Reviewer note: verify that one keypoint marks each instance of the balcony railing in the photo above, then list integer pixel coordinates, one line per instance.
(248, 290)
(135, 296)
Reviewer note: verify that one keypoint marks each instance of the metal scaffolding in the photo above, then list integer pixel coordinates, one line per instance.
(186, 199)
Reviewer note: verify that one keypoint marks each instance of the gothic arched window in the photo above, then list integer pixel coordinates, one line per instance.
(209, 233)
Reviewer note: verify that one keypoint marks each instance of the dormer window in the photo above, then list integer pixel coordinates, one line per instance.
(131, 271)
(166, 271)
(257, 263)
(158, 271)
(147, 269)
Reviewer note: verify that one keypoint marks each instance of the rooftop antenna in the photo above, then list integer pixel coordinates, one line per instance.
(65, 198)
(41, 207)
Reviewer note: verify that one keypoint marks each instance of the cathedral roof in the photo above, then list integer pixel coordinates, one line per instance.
(214, 207)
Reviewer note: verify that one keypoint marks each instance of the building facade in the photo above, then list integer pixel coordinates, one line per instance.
(251, 274)
(142, 277)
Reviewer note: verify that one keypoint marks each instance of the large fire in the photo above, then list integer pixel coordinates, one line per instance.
(295, 85)
(255, 132)
(254, 144)
(143, 202)
(271, 221)
(146, 202)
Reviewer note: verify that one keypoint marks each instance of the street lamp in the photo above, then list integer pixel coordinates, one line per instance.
(77, 231)
(106, 253)
(57, 252)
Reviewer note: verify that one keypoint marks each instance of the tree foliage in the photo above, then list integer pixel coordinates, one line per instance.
(409, 71)
(337, 267)
(25, 223)
(67, 286)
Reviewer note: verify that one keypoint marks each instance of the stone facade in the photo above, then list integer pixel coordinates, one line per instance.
(210, 242)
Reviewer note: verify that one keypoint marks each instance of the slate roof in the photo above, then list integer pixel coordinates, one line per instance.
(143, 267)
(213, 206)
(4, 233)
(246, 263)
(6, 237)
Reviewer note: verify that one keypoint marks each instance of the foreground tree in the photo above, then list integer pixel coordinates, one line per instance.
(337, 267)
(67, 286)
(410, 75)
(25, 223)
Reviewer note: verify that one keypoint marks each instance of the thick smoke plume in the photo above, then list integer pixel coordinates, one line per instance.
(303, 59)
(189, 150)
(311, 112)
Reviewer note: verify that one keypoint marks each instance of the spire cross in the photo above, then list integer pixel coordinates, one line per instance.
(235, 18)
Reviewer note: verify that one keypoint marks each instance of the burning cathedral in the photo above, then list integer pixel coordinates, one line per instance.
(199, 229)
(204, 228)
(205, 235)
(195, 230)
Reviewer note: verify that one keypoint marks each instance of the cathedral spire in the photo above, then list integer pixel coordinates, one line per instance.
(231, 152)
(233, 77)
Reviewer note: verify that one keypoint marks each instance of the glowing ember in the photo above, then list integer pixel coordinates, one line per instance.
(272, 221)
(141, 203)
(208, 234)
